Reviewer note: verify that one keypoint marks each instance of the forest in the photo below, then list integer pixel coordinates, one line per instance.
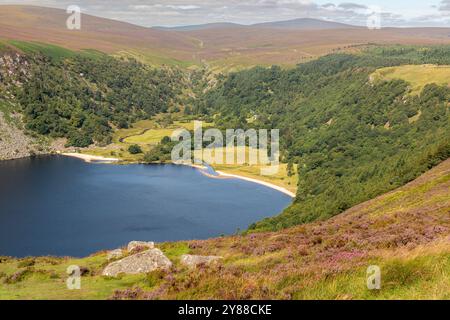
(352, 139)
(84, 98)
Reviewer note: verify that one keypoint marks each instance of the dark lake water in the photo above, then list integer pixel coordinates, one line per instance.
(64, 206)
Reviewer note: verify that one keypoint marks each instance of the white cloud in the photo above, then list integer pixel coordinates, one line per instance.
(352, 6)
(185, 12)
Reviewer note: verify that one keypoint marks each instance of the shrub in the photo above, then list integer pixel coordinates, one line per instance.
(18, 276)
(27, 262)
(166, 140)
(134, 149)
(77, 139)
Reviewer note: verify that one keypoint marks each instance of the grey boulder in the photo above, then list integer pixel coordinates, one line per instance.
(115, 254)
(135, 245)
(142, 262)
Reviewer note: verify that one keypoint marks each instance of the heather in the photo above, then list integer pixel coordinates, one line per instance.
(406, 232)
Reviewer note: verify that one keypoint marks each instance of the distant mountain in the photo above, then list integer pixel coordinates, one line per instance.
(225, 45)
(302, 23)
(218, 25)
(305, 24)
(48, 25)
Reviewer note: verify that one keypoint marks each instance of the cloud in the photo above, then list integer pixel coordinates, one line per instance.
(162, 6)
(186, 12)
(351, 6)
(188, 7)
(445, 5)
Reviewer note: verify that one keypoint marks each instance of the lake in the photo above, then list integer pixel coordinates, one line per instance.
(55, 205)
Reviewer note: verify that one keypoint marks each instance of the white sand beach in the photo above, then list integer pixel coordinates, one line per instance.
(90, 158)
(264, 183)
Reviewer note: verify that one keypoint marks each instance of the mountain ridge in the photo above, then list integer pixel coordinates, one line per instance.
(221, 47)
(299, 23)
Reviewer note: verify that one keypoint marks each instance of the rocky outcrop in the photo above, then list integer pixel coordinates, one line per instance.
(135, 246)
(14, 143)
(142, 262)
(115, 254)
(14, 69)
(193, 261)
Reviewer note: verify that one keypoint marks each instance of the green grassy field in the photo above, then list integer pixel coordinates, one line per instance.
(49, 50)
(417, 75)
(155, 59)
(254, 171)
(145, 133)
(152, 135)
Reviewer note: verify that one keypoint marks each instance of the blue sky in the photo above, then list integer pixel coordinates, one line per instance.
(400, 13)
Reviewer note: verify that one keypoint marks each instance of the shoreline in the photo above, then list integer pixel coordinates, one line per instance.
(221, 174)
(261, 182)
(89, 158)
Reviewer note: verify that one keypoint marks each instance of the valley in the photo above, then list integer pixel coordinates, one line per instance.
(364, 123)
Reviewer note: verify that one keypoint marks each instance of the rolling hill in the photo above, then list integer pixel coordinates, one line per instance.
(48, 25)
(221, 46)
(305, 24)
(206, 26)
(299, 24)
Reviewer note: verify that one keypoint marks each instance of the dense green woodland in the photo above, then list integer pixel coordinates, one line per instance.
(83, 98)
(352, 139)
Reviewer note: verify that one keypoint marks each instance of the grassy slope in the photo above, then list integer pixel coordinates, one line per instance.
(418, 76)
(47, 25)
(406, 232)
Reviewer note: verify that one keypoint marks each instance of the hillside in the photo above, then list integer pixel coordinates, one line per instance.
(222, 47)
(405, 232)
(48, 25)
(418, 76)
(15, 141)
(81, 96)
(353, 139)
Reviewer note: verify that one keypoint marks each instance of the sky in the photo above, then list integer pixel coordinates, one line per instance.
(398, 13)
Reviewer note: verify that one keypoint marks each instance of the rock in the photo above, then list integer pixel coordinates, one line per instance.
(14, 143)
(136, 245)
(142, 262)
(193, 261)
(114, 254)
